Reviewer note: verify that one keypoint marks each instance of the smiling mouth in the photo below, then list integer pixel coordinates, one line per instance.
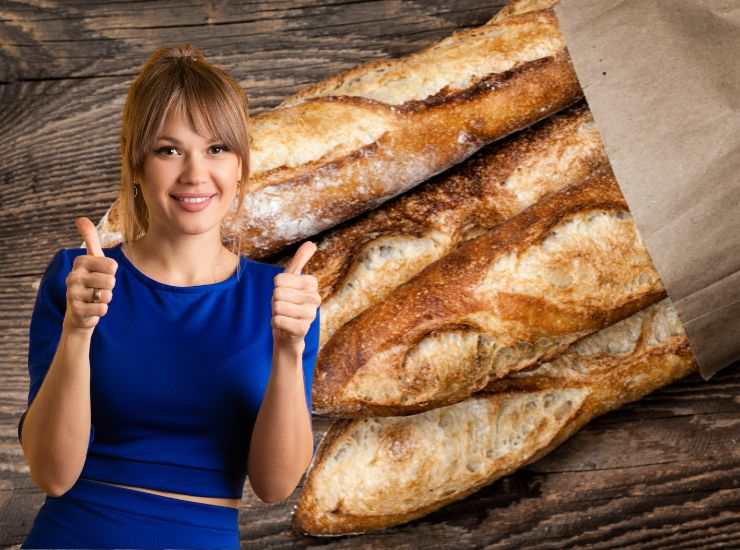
(193, 200)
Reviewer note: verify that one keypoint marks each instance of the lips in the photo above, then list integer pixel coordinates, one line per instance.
(189, 196)
(189, 206)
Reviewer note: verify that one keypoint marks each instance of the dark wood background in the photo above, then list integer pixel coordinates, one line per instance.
(659, 473)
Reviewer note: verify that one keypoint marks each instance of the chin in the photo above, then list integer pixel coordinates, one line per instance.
(198, 229)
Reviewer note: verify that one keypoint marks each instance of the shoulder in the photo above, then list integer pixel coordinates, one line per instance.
(264, 267)
(60, 263)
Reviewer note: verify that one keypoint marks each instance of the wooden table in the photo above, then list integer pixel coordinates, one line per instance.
(659, 473)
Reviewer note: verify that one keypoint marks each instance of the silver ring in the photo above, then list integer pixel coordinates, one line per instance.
(96, 295)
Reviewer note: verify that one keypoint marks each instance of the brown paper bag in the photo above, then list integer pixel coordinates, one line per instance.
(662, 79)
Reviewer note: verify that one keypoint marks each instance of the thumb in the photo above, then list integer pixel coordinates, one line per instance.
(301, 257)
(89, 234)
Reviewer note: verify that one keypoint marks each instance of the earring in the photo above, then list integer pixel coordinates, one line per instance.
(136, 190)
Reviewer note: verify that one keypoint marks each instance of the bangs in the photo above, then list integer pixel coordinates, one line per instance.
(208, 103)
(206, 111)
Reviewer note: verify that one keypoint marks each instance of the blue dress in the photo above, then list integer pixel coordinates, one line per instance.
(177, 376)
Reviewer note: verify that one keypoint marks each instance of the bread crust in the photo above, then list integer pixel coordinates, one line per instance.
(567, 266)
(449, 67)
(374, 473)
(360, 262)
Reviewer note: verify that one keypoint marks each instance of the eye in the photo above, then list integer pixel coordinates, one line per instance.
(220, 146)
(162, 149)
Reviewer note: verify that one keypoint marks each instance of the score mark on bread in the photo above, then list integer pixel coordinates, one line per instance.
(360, 262)
(377, 472)
(522, 292)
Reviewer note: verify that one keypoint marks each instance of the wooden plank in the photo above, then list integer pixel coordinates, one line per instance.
(658, 473)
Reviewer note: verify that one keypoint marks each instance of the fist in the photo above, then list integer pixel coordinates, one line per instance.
(89, 272)
(295, 300)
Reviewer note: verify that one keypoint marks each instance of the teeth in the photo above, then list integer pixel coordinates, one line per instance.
(204, 199)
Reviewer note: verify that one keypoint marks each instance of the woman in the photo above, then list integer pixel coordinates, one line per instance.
(167, 369)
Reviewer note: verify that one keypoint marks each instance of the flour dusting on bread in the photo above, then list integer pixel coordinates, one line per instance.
(453, 64)
(565, 267)
(358, 264)
(376, 472)
(396, 465)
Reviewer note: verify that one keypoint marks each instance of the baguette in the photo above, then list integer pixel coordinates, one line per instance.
(359, 263)
(431, 70)
(356, 141)
(373, 473)
(569, 265)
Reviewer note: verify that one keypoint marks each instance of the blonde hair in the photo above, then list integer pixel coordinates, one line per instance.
(179, 78)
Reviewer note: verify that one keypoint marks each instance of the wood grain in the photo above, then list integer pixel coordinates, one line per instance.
(659, 473)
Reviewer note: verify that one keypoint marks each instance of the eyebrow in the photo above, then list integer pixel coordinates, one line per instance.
(175, 140)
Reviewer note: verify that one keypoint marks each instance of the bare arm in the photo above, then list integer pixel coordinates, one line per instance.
(56, 430)
(281, 447)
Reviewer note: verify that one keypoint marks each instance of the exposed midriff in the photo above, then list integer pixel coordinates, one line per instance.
(233, 502)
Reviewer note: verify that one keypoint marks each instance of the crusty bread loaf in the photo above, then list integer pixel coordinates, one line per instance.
(350, 143)
(444, 68)
(360, 262)
(372, 473)
(565, 267)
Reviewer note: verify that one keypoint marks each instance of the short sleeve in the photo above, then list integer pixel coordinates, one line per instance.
(46, 326)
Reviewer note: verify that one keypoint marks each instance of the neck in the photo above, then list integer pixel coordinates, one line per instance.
(187, 261)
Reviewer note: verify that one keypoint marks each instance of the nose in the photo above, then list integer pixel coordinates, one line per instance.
(194, 170)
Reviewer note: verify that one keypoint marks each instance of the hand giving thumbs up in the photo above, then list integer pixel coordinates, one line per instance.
(89, 283)
(295, 300)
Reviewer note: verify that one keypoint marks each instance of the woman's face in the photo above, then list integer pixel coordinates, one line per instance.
(182, 162)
